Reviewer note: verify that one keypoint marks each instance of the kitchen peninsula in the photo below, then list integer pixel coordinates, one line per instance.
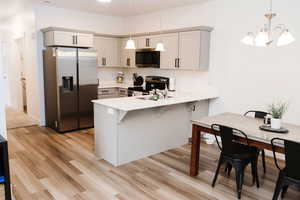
(131, 128)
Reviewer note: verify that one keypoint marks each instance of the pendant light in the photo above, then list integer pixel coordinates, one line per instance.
(264, 37)
(249, 39)
(160, 45)
(285, 38)
(130, 44)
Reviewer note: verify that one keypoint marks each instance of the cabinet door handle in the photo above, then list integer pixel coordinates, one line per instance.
(147, 42)
(103, 61)
(178, 62)
(175, 62)
(73, 37)
(76, 39)
(128, 62)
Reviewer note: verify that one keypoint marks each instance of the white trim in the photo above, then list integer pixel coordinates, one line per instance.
(3, 130)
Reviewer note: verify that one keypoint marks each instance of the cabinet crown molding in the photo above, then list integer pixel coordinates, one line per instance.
(195, 28)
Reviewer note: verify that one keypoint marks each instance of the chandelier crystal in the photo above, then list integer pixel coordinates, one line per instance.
(266, 36)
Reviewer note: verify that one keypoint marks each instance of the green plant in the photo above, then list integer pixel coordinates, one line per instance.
(278, 109)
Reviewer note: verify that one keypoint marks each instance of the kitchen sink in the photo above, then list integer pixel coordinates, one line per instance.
(151, 99)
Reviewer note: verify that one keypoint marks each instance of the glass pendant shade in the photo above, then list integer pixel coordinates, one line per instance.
(160, 47)
(248, 39)
(130, 44)
(262, 39)
(285, 38)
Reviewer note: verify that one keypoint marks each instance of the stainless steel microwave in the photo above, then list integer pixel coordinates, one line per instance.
(147, 58)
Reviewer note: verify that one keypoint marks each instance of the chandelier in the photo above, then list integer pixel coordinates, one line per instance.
(265, 37)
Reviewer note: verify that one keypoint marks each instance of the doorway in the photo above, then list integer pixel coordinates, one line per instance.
(14, 70)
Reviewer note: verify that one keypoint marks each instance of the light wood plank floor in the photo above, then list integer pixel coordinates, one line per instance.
(46, 165)
(16, 119)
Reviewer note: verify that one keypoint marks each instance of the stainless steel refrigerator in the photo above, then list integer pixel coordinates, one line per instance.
(70, 82)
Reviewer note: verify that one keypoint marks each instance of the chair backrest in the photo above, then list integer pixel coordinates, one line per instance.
(257, 114)
(228, 138)
(292, 158)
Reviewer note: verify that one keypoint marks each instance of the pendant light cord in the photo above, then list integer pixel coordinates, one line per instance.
(271, 6)
(131, 8)
(160, 21)
(270, 21)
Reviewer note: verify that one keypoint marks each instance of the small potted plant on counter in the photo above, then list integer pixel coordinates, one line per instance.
(277, 110)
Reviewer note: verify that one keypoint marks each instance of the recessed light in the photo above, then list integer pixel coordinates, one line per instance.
(104, 1)
(47, 2)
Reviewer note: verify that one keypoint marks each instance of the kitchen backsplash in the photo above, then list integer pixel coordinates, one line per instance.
(184, 79)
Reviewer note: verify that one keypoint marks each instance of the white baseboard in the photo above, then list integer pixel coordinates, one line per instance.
(34, 119)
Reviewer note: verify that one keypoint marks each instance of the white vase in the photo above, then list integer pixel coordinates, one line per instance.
(275, 123)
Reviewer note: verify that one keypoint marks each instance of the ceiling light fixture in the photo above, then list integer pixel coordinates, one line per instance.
(264, 37)
(104, 1)
(160, 45)
(130, 44)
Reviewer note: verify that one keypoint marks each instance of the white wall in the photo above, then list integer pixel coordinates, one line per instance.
(59, 17)
(247, 77)
(4, 34)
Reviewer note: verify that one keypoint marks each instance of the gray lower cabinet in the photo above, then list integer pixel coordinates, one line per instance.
(107, 93)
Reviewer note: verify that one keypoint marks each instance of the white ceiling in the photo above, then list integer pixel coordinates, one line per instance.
(121, 8)
(11, 7)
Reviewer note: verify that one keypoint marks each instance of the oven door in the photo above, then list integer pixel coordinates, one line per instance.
(147, 58)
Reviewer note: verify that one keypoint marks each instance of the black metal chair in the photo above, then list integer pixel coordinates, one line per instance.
(260, 115)
(235, 154)
(290, 175)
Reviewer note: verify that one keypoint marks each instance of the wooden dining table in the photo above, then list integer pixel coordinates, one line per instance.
(249, 125)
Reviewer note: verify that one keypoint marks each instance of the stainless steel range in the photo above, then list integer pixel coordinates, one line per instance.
(151, 82)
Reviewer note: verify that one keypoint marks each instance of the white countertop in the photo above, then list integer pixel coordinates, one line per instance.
(114, 84)
(133, 103)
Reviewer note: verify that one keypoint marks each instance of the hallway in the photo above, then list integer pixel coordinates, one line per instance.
(16, 119)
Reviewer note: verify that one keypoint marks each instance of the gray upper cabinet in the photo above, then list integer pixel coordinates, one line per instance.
(168, 58)
(147, 42)
(108, 51)
(186, 49)
(68, 39)
(194, 49)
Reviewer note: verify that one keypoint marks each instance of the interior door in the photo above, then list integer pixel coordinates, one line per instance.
(67, 89)
(88, 86)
